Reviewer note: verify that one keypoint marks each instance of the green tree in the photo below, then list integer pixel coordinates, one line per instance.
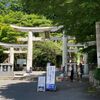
(7, 34)
(77, 16)
(9, 5)
(78, 20)
(46, 51)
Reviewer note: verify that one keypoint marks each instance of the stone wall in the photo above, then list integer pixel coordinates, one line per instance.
(92, 80)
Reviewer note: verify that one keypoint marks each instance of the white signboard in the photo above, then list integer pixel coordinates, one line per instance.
(50, 78)
(41, 83)
(48, 64)
(21, 61)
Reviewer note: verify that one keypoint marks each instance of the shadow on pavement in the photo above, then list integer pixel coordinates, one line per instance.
(28, 91)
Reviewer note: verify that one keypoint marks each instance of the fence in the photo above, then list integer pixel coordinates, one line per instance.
(6, 70)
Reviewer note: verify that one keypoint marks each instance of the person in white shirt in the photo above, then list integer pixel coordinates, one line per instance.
(70, 73)
(79, 73)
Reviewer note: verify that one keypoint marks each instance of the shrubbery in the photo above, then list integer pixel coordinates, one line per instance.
(97, 74)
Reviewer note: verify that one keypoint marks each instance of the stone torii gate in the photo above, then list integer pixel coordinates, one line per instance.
(6, 69)
(64, 48)
(30, 31)
(12, 51)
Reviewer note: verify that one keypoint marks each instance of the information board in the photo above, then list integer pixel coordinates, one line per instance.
(50, 78)
(41, 83)
(21, 61)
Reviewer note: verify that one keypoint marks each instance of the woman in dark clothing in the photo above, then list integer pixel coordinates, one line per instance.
(81, 70)
(72, 74)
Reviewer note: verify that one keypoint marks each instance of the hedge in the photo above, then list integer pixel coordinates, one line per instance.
(97, 74)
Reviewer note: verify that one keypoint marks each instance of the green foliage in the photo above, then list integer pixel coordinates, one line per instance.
(9, 5)
(45, 52)
(78, 20)
(77, 16)
(91, 89)
(92, 53)
(23, 19)
(7, 34)
(97, 74)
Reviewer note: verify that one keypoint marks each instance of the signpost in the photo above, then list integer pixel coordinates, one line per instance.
(50, 78)
(41, 83)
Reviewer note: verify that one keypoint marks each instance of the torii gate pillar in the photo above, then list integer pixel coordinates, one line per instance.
(98, 42)
(11, 55)
(64, 53)
(29, 52)
(86, 70)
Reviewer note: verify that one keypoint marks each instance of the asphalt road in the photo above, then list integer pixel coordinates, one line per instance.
(25, 90)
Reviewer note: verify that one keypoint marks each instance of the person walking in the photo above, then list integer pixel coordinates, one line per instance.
(70, 73)
(79, 72)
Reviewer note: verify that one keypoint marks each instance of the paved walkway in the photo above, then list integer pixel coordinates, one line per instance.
(25, 90)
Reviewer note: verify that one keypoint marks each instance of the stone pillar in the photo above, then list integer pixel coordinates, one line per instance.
(11, 55)
(64, 51)
(8, 68)
(98, 42)
(86, 70)
(74, 67)
(29, 52)
(1, 68)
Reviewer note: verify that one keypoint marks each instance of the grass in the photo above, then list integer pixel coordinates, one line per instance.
(91, 89)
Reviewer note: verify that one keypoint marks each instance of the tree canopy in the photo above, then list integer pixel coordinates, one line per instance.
(77, 16)
(10, 5)
(9, 35)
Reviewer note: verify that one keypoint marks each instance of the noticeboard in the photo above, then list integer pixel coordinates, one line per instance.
(21, 61)
(50, 78)
(41, 83)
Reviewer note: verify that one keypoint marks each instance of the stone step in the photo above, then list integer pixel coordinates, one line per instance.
(6, 75)
(28, 78)
(6, 78)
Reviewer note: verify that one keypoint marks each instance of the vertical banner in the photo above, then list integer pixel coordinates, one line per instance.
(50, 78)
